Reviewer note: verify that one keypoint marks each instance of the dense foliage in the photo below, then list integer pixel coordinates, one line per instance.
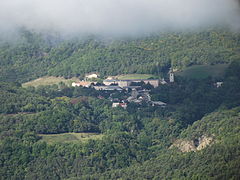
(136, 141)
(35, 55)
(219, 161)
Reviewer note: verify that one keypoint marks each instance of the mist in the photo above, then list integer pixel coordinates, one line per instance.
(116, 17)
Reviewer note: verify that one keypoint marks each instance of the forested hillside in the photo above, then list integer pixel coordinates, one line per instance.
(34, 55)
(136, 143)
(119, 90)
(218, 161)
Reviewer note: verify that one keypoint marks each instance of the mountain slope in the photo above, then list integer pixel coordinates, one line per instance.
(217, 161)
(35, 55)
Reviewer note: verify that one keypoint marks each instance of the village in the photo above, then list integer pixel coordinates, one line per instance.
(135, 90)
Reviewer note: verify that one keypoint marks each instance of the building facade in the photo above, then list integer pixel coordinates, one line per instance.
(82, 83)
(127, 82)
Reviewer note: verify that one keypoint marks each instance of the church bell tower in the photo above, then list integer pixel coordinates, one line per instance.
(171, 76)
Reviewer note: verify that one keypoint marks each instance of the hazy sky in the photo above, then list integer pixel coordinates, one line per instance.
(116, 16)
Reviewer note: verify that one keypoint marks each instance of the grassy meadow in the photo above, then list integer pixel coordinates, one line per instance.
(203, 71)
(69, 137)
(49, 80)
(135, 76)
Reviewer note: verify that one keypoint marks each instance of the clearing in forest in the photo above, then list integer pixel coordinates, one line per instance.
(49, 80)
(136, 76)
(69, 137)
(203, 71)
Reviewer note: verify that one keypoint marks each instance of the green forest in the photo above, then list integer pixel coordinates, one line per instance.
(35, 55)
(139, 142)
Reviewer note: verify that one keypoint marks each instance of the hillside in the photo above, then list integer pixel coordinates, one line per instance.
(34, 55)
(69, 137)
(203, 71)
(209, 163)
(49, 130)
(61, 132)
(49, 80)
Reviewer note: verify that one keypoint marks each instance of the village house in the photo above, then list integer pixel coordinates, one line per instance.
(163, 81)
(82, 83)
(119, 104)
(91, 75)
(153, 82)
(120, 83)
(127, 82)
(131, 87)
(108, 88)
(139, 96)
(158, 103)
(218, 84)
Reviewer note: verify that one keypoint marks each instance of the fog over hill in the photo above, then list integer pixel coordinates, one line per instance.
(116, 18)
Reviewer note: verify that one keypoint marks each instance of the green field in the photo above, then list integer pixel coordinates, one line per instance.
(69, 137)
(135, 76)
(203, 71)
(49, 80)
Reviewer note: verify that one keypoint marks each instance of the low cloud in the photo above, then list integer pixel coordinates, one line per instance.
(116, 17)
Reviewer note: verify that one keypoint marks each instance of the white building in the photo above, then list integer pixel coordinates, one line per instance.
(108, 88)
(82, 83)
(163, 81)
(117, 104)
(127, 82)
(218, 84)
(91, 75)
(158, 103)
